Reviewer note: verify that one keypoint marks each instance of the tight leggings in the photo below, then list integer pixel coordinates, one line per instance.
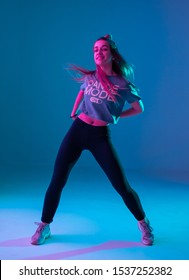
(83, 136)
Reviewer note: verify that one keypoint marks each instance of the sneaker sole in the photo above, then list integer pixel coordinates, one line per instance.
(148, 243)
(43, 241)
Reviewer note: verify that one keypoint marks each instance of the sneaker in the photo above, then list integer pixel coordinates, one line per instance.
(146, 229)
(42, 233)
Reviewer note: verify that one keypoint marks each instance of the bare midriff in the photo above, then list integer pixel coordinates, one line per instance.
(91, 121)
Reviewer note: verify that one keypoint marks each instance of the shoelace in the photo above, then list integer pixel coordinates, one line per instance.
(40, 226)
(147, 229)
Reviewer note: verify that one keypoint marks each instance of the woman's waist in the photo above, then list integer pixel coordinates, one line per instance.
(91, 121)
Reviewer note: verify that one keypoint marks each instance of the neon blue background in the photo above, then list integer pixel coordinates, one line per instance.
(39, 38)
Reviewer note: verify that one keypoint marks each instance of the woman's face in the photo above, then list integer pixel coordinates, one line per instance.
(102, 53)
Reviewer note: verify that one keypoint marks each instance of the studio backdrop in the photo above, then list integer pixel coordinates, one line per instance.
(38, 40)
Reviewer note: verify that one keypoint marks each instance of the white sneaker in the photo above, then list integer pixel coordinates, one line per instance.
(41, 234)
(146, 229)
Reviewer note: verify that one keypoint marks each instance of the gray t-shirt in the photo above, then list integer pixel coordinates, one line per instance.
(99, 105)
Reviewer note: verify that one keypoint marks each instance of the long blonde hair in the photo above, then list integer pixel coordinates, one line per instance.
(119, 65)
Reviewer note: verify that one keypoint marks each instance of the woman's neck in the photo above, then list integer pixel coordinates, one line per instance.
(107, 69)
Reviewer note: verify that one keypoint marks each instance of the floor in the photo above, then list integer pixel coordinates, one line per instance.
(92, 223)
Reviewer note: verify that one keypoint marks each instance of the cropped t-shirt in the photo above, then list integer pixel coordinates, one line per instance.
(99, 105)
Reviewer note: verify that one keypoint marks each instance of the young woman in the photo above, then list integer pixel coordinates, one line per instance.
(99, 103)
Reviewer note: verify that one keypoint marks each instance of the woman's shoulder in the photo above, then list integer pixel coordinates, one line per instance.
(128, 83)
(91, 75)
(119, 80)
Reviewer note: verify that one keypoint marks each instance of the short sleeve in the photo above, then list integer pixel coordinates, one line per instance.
(132, 94)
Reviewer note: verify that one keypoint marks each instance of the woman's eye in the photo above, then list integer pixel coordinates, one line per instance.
(102, 49)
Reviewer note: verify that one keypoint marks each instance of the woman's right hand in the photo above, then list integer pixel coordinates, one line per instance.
(73, 116)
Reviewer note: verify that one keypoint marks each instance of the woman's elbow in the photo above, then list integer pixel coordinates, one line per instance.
(141, 107)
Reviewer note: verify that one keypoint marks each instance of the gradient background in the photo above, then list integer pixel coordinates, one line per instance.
(39, 38)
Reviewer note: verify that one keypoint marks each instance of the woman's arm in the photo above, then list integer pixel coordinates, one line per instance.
(136, 108)
(77, 103)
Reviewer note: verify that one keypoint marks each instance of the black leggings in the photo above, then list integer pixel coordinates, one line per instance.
(82, 136)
